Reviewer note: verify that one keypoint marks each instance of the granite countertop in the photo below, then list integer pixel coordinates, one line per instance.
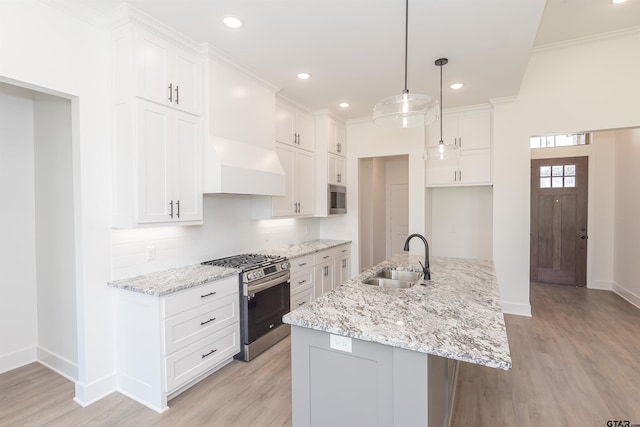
(304, 248)
(176, 279)
(456, 315)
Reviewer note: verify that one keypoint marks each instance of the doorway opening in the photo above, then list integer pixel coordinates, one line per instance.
(39, 258)
(559, 205)
(383, 184)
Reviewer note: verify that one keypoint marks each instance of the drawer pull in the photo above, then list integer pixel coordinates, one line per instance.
(303, 264)
(301, 282)
(207, 321)
(301, 303)
(210, 353)
(325, 257)
(207, 295)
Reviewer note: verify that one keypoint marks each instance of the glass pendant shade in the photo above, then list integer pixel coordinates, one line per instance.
(442, 151)
(407, 110)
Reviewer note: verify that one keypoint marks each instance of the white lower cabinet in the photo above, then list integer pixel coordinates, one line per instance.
(342, 265)
(302, 281)
(166, 344)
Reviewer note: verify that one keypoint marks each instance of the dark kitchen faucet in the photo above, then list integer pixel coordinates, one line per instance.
(425, 267)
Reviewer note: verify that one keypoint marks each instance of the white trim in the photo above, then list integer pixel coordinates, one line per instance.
(503, 100)
(58, 364)
(586, 40)
(17, 359)
(86, 394)
(626, 294)
(599, 284)
(516, 308)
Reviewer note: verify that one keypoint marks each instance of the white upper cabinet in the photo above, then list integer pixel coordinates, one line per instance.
(337, 143)
(166, 74)
(299, 169)
(294, 126)
(470, 131)
(337, 170)
(157, 130)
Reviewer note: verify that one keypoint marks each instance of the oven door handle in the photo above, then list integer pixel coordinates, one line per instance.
(268, 284)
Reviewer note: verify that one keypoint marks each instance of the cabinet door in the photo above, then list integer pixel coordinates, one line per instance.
(341, 139)
(285, 124)
(474, 130)
(304, 182)
(283, 205)
(152, 65)
(154, 156)
(442, 172)
(305, 128)
(301, 297)
(449, 130)
(336, 170)
(187, 160)
(323, 279)
(475, 167)
(342, 267)
(185, 76)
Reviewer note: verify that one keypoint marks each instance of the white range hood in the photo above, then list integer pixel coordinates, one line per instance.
(234, 167)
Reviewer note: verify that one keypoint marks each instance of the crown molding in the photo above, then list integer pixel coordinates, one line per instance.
(586, 40)
(502, 101)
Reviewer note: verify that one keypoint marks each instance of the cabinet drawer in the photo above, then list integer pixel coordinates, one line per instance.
(301, 263)
(192, 361)
(200, 295)
(341, 251)
(190, 326)
(302, 296)
(323, 256)
(301, 279)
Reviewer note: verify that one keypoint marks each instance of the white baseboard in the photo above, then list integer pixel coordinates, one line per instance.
(59, 364)
(11, 361)
(599, 284)
(86, 394)
(517, 309)
(627, 294)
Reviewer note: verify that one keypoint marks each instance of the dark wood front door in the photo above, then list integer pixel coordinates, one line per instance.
(559, 220)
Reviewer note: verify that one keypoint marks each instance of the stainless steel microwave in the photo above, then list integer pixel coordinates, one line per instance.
(337, 199)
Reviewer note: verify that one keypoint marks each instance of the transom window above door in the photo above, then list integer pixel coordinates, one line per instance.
(559, 140)
(558, 176)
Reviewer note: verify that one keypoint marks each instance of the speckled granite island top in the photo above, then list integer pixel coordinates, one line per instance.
(174, 280)
(457, 314)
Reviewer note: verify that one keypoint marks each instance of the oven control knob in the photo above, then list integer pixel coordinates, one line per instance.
(285, 265)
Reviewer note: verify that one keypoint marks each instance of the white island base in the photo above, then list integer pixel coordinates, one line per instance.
(370, 385)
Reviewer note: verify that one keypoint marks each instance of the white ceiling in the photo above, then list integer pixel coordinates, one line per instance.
(354, 49)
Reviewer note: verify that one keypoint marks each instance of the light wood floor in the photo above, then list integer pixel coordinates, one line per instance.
(576, 362)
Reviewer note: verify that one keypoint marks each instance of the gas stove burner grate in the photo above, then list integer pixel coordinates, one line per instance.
(244, 261)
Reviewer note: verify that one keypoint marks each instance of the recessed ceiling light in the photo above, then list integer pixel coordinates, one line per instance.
(344, 104)
(304, 76)
(232, 21)
(618, 1)
(456, 86)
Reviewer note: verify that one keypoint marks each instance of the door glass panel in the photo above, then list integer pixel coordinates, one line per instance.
(569, 170)
(545, 170)
(545, 182)
(569, 181)
(556, 182)
(556, 170)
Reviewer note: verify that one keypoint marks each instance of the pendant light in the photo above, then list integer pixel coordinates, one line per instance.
(441, 150)
(407, 109)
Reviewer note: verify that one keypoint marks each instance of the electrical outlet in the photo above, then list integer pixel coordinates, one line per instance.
(151, 253)
(337, 342)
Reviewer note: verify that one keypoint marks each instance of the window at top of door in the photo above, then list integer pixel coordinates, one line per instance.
(559, 140)
(558, 176)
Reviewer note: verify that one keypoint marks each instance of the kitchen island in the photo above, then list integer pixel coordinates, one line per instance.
(366, 355)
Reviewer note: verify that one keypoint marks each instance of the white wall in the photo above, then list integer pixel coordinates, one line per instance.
(627, 211)
(588, 86)
(48, 50)
(18, 316)
(55, 235)
(462, 222)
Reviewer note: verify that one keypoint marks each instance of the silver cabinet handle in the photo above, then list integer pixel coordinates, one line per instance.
(301, 282)
(178, 205)
(207, 321)
(339, 148)
(210, 294)
(171, 204)
(300, 265)
(339, 177)
(460, 176)
(460, 142)
(170, 92)
(209, 354)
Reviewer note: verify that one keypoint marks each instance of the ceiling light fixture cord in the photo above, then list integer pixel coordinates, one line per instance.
(441, 64)
(406, 43)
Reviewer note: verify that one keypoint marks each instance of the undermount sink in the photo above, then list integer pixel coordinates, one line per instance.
(397, 279)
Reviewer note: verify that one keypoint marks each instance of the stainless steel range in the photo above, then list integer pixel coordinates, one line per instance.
(264, 299)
